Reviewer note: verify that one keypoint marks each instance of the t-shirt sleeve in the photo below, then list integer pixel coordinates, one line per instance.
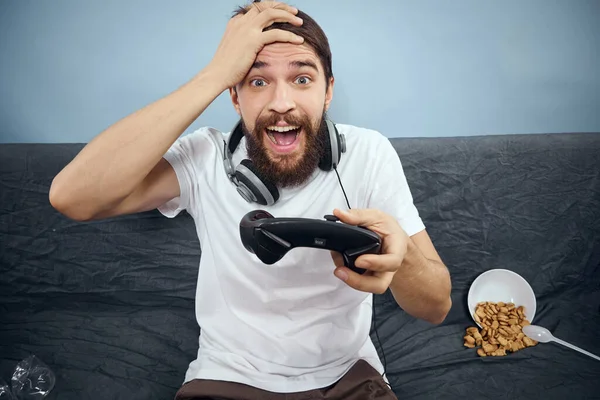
(187, 156)
(390, 191)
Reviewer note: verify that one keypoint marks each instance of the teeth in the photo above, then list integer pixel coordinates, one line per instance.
(282, 128)
(272, 137)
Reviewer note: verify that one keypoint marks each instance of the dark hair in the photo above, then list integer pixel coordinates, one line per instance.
(311, 32)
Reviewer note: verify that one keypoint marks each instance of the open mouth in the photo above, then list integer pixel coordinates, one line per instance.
(284, 139)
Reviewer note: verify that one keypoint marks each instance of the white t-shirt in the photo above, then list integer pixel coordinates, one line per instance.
(291, 326)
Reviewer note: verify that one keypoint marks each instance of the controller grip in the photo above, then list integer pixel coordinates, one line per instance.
(252, 236)
(266, 256)
(351, 255)
(349, 262)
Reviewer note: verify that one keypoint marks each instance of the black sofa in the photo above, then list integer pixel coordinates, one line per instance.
(109, 305)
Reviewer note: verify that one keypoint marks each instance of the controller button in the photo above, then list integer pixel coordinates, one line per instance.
(260, 215)
(331, 218)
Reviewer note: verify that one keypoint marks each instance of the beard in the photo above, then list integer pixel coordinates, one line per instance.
(287, 170)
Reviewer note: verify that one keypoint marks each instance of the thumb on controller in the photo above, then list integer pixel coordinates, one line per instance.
(363, 217)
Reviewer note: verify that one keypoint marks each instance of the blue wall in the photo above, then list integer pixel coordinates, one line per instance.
(69, 69)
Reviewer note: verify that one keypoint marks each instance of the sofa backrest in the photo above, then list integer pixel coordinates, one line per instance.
(529, 203)
(43, 252)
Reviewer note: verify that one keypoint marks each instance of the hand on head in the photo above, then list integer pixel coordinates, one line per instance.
(244, 38)
(380, 267)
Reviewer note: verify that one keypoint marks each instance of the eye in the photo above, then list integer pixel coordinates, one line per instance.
(257, 82)
(303, 80)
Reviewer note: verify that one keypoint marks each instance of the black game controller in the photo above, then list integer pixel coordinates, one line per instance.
(271, 238)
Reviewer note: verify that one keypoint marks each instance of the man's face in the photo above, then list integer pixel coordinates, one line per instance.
(282, 103)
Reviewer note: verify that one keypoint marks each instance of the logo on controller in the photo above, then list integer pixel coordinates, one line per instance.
(320, 242)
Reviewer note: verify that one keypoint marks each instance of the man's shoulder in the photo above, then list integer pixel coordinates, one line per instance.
(362, 137)
(202, 143)
(206, 134)
(360, 132)
(200, 148)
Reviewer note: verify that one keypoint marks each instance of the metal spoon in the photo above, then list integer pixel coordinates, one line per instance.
(543, 335)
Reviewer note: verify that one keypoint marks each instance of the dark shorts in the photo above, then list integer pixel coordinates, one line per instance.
(361, 382)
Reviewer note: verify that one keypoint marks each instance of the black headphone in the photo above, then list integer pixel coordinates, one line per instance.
(247, 180)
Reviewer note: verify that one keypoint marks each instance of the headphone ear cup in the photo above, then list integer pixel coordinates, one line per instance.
(265, 192)
(334, 147)
(326, 162)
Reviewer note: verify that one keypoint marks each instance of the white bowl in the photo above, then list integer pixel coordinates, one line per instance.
(502, 285)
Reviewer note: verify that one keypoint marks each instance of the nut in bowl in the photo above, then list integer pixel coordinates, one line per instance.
(501, 303)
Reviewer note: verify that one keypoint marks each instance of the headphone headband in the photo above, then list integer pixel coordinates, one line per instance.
(234, 139)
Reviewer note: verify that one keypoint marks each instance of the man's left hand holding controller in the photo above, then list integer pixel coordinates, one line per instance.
(408, 265)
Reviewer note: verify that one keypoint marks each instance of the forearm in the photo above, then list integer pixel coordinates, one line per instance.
(110, 167)
(422, 287)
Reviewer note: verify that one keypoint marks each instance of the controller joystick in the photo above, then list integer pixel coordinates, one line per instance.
(271, 238)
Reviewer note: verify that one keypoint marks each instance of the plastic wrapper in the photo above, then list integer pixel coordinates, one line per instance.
(31, 380)
(5, 392)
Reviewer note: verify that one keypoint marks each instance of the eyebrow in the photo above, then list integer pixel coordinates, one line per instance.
(306, 63)
(296, 64)
(259, 65)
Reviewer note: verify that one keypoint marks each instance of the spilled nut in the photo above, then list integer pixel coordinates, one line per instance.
(501, 329)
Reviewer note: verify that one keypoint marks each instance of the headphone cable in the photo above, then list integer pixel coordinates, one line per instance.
(342, 186)
(374, 312)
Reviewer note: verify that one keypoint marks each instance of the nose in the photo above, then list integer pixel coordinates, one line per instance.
(282, 101)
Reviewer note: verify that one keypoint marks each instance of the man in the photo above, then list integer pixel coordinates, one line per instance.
(301, 326)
